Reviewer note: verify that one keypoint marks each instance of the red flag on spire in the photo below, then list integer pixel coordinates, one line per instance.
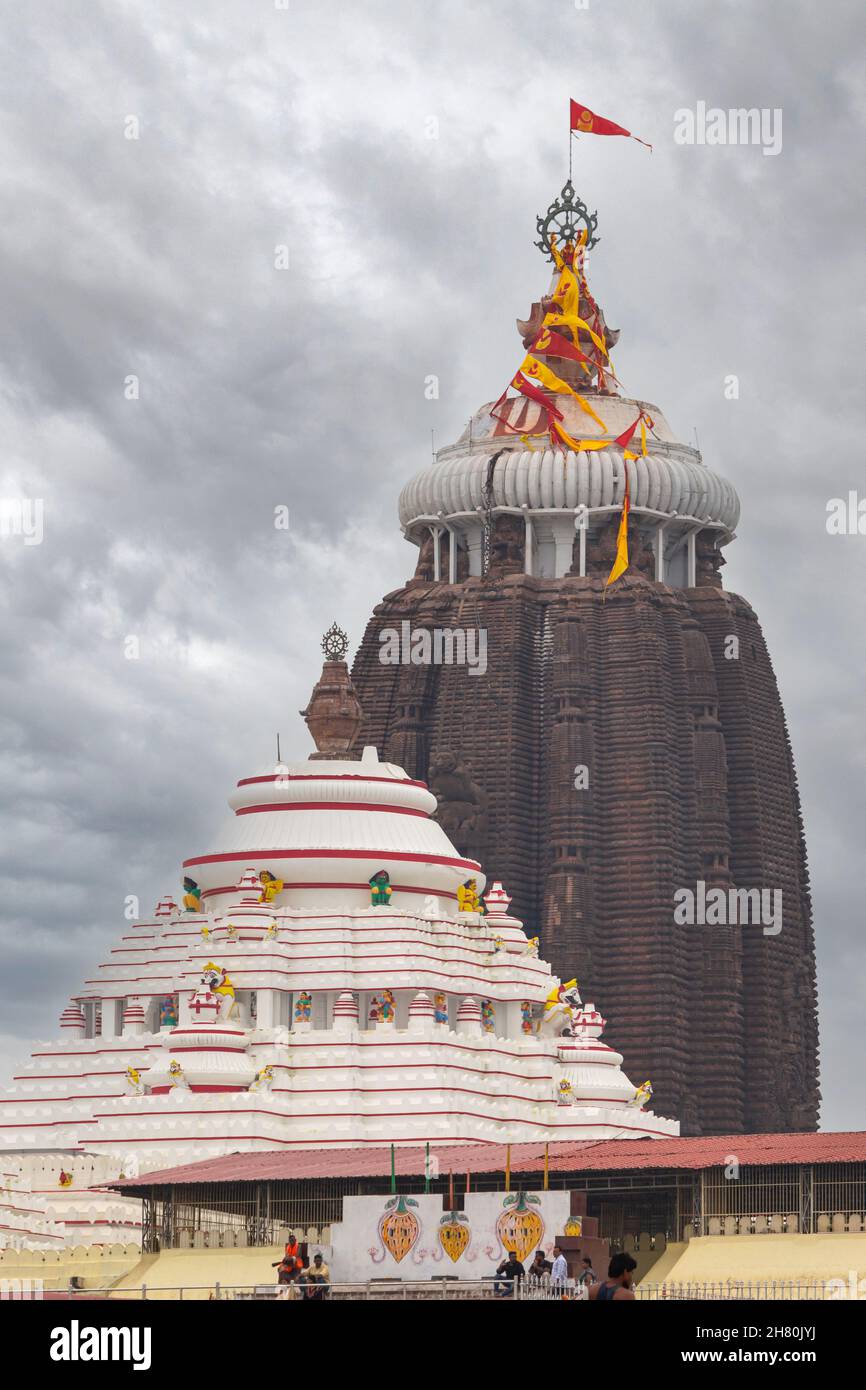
(585, 122)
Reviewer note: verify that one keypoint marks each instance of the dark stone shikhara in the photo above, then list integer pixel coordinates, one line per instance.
(690, 776)
(621, 743)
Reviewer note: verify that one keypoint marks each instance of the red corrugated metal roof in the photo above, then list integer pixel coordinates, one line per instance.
(605, 1155)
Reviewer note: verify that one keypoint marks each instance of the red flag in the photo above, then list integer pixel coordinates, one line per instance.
(585, 122)
(554, 345)
(624, 439)
(525, 387)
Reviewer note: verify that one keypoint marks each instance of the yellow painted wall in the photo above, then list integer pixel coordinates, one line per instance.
(201, 1270)
(96, 1266)
(766, 1257)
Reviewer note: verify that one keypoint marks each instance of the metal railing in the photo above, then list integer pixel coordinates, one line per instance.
(524, 1290)
(371, 1289)
(738, 1289)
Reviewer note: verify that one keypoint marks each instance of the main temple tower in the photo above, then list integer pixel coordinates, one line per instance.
(624, 742)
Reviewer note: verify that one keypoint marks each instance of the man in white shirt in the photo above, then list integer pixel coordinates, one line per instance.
(559, 1273)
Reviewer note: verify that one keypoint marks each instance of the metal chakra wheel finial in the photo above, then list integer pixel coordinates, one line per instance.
(565, 219)
(335, 643)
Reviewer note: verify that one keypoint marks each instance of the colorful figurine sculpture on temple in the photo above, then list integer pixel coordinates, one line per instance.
(467, 897)
(373, 1011)
(176, 1078)
(387, 1007)
(565, 1093)
(488, 1016)
(216, 981)
(532, 946)
(561, 1009)
(168, 1011)
(134, 1081)
(304, 1007)
(231, 932)
(205, 933)
(191, 896)
(642, 1096)
(380, 889)
(271, 886)
(263, 1080)
(272, 932)
(440, 1008)
(526, 1017)
(65, 1179)
(498, 943)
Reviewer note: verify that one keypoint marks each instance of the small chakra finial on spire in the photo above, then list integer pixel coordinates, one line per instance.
(566, 220)
(335, 643)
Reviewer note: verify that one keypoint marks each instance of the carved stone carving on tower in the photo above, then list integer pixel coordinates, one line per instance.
(462, 802)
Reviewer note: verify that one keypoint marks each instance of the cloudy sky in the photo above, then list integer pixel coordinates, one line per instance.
(400, 155)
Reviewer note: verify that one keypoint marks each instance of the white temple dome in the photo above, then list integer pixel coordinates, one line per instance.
(324, 828)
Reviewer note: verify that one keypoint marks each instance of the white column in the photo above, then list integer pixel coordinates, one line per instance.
(659, 548)
(474, 544)
(452, 555)
(529, 542)
(691, 573)
(563, 546)
(436, 532)
(581, 522)
(109, 1019)
(266, 1008)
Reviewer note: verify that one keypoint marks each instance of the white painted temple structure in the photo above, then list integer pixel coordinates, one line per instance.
(280, 1007)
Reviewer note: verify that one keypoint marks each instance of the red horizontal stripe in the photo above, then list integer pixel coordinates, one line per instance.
(330, 806)
(307, 887)
(379, 1143)
(331, 777)
(269, 854)
(162, 1090)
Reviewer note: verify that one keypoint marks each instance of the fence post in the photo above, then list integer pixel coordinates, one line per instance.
(216, 1290)
(144, 1291)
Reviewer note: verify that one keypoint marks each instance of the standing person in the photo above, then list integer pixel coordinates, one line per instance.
(507, 1275)
(618, 1284)
(587, 1274)
(559, 1272)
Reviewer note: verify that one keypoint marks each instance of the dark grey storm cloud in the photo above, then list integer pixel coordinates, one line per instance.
(400, 154)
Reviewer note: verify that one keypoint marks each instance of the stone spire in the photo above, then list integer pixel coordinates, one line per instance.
(334, 714)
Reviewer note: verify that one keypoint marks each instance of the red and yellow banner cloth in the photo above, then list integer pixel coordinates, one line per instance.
(620, 564)
(586, 122)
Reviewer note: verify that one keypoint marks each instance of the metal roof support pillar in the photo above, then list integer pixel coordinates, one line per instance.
(807, 1204)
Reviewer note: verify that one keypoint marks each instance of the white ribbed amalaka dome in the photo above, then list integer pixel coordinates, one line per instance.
(324, 828)
(671, 481)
